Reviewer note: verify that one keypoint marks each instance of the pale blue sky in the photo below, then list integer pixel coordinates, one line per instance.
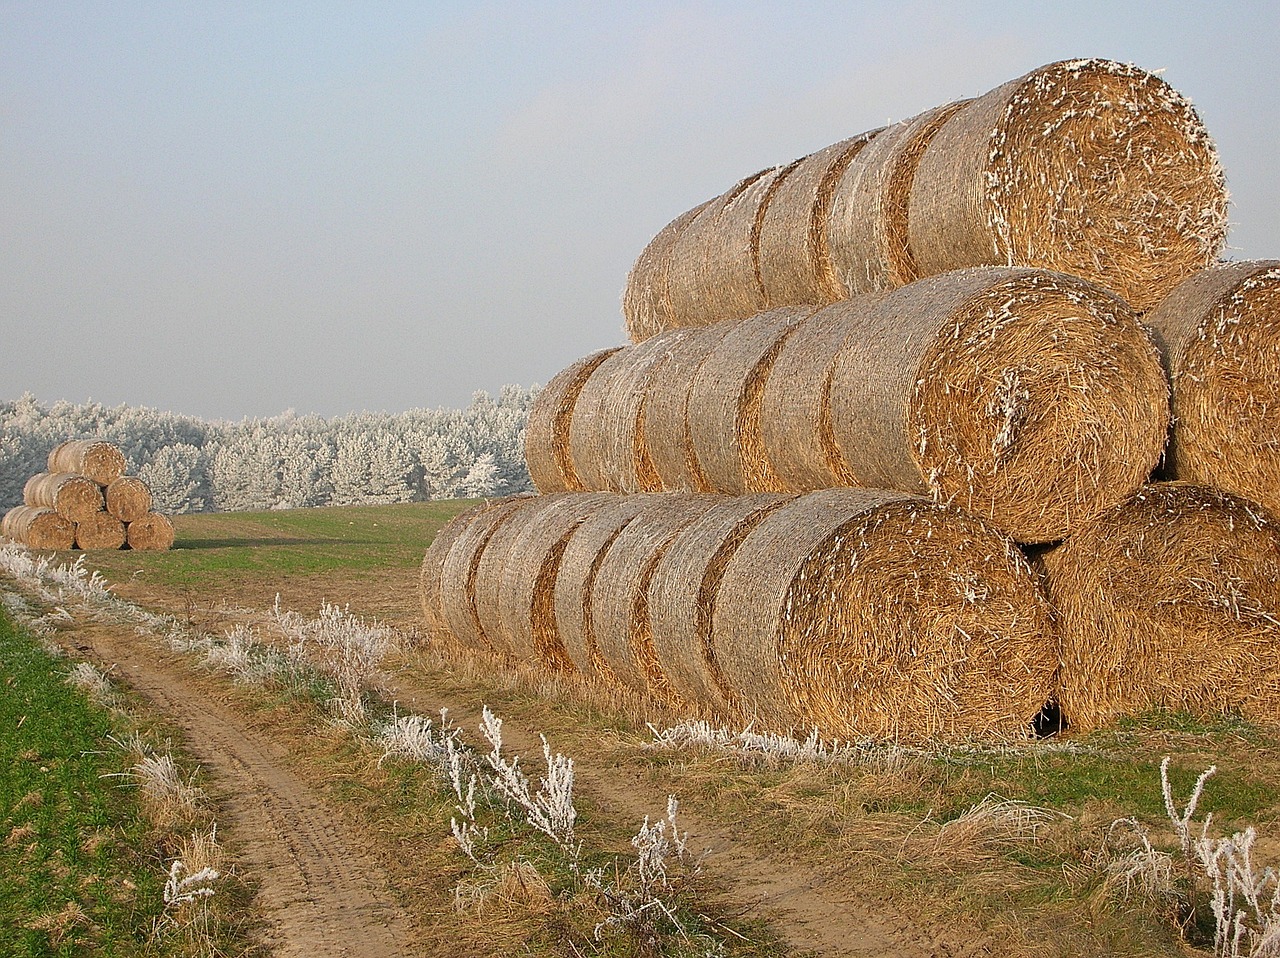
(231, 209)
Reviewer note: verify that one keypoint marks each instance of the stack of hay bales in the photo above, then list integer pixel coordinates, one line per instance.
(864, 387)
(84, 500)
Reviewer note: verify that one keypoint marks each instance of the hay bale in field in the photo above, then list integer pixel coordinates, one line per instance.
(866, 613)
(867, 229)
(606, 442)
(546, 435)
(646, 298)
(619, 597)
(682, 598)
(1090, 167)
(429, 596)
(151, 532)
(1220, 336)
(101, 461)
(75, 496)
(665, 426)
(458, 572)
(1031, 398)
(723, 408)
(526, 582)
(100, 530)
(38, 527)
(1170, 599)
(793, 251)
(128, 498)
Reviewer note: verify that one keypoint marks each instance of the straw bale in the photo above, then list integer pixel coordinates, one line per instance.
(1089, 167)
(101, 461)
(723, 409)
(99, 530)
(606, 441)
(867, 229)
(546, 435)
(1171, 600)
(866, 613)
(38, 527)
(527, 581)
(1030, 398)
(151, 532)
(646, 298)
(665, 424)
(579, 564)
(713, 273)
(75, 496)
(682, 596)
(794, 417)
(792, 250)
(1220, 334)
(619, 597)
(128, 498)
(460, 567)
(429, 596)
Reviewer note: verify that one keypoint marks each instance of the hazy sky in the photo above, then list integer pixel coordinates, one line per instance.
(232, 209)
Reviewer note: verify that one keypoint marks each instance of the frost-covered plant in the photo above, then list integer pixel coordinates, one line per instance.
(183, 888)
(92, 683)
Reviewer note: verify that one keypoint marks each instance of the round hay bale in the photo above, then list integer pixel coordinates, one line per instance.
(665, 425)
(1030, 398)
(1220, 333)
(682, 597)
(867, 230)
(619, 598)
(101, 461)
(1090, 167)
(606, 439)
(151, 532)
(38, 527)
(429, 596)
(527, 584)
(1171, 600)
(75, 496)
(461, 564)
(865, 613)
(646, 298)
(724, 403)
(792, 249)
(100, 530)
(795, 413)
(546, 435)
(579, 564)
(128, 498)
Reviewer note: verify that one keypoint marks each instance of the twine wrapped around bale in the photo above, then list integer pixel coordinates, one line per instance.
(433, 564)
(1090, 167)
(101, 461)
(665, 425)
(795, 414)
(619, 597)
(1220, 332)
(39, 527)
(723, 408)
(128, 498)
(606, 440)
(1170, 599)
(646, 298)
(867, 230)
(74, 495)
(546, 435)
(865, 613)
(1030, 398)
(101, 530)
(793, 252)
(682, 595)
(151, 532)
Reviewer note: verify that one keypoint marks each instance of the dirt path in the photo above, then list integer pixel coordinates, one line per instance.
(320, 893)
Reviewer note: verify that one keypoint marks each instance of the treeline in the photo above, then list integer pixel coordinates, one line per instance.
(286, 461)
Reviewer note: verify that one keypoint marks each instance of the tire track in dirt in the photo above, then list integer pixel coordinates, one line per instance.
(321, 894)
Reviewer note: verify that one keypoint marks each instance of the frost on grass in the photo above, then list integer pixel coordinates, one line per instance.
(91, 682)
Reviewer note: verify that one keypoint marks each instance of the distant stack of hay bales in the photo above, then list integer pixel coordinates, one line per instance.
(85, 501)
(864, 387)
